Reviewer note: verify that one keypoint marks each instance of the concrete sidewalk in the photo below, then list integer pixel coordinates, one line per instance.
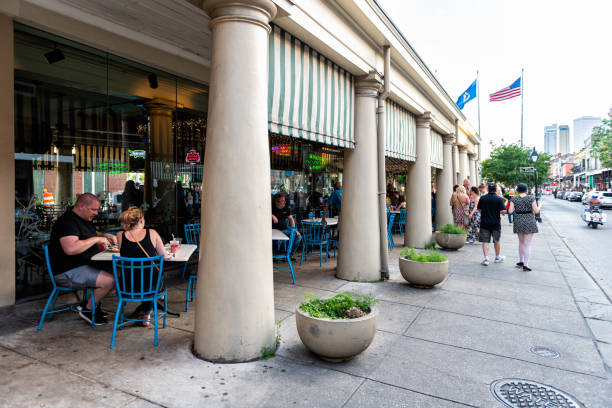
(441, 347)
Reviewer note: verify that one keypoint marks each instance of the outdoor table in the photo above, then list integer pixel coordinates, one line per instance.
(329, 221)
(394, 212)
(182, 254)
(278, 235)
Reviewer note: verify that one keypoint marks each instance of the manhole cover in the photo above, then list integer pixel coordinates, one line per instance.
(514, 392)
(544, 352)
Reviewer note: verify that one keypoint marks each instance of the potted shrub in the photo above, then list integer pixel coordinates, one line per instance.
(424, 269)
(338, 328)
(450, 236)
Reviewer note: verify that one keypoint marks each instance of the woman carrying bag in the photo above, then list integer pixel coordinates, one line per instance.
(525, 225)
(460, 203)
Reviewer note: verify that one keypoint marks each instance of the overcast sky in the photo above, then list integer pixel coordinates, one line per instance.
(565, 47)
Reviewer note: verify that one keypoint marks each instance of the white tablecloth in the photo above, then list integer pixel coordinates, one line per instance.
(278, 235)
(182, 255)
(330, 221)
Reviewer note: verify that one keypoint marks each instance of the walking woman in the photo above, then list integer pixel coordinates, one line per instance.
(460, 203)
(524, 208)
(474, 228)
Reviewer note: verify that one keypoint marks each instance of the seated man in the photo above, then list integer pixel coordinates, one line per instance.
(280, 217)
(594, 201)
(74, 240)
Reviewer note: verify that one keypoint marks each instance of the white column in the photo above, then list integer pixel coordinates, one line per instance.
(7, 163)
(472, 161)
(235, 297)
(418, 183)
(456, 165)
(463, 164)
(359, 252)
(444, 186)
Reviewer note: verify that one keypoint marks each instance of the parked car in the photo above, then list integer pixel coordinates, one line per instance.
(606, 199)
(566, 195)
(560, 194)
(575, 196)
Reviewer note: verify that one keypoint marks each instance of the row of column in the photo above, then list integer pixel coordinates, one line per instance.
(465, 165)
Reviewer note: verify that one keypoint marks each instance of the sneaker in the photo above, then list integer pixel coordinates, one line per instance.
(485, 262)
(519, 264)
(526, 269)
(85, 314)
(499, 259)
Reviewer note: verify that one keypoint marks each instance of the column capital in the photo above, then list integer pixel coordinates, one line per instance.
(368, 85)
(472, 156)
(424, 120)
(448, 139)
(462, 148)
(258, 12)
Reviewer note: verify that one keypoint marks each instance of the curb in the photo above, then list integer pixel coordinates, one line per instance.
(598, 280)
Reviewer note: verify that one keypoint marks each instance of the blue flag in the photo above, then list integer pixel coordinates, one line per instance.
(467, 96)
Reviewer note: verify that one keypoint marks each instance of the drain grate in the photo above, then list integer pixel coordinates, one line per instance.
(514, 393)
(544, 352)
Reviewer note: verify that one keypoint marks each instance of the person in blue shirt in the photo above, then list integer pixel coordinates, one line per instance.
(335, 199)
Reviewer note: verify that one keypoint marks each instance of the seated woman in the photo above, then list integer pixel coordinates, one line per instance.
(138, 242)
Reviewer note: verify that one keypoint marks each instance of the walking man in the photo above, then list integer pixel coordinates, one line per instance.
(491, 206)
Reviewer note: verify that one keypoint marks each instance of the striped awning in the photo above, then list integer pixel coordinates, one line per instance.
(437, 144)
(400, 131)
(309, 97)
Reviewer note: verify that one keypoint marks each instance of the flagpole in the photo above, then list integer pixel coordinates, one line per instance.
(522, 107)
(478, 96)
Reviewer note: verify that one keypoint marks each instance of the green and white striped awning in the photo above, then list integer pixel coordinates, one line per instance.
(437, 144)
(400, 131)
(309, 97)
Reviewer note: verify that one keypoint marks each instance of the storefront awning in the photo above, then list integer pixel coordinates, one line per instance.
(437, 144)
(309, 97)
(400, 131)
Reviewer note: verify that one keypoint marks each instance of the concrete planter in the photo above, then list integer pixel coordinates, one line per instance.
(336, 340)
(450, 241)
(424, 274)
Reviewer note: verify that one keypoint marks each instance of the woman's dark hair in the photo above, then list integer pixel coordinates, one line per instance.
(475, 189)
(455, 188)
(278, 196)
(521, 188)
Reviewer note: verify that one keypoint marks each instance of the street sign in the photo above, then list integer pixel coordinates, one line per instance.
(527, 169)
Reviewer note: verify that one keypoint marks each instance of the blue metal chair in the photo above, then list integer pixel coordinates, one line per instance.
(390, 220)
(326, 214)
(192, 237)
(311, 215)
(139, 280)
(402, 220)
(52, 301)
(286, 256)
(314, 235)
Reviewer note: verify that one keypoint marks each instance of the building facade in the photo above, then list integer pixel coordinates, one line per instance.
(564, 139)
(230, 102)
(583, 129)
(550, 139)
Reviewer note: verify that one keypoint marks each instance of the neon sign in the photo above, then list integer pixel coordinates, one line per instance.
(192, 157)
(112, 168)
(137, 153)
(283, 150)
(314, 162)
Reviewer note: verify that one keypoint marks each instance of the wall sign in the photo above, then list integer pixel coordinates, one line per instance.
(137, 153)
(192, 157)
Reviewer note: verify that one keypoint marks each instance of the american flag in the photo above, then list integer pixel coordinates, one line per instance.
(507, 93)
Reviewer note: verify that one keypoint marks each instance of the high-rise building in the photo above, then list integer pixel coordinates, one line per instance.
(564, 139)
(583, 128)
(550, 139)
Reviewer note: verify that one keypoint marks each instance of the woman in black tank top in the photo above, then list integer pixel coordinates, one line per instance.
(138, 242)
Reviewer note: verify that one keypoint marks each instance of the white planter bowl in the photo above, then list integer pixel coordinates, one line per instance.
(424, 274)
(450, 241)
(336, 340)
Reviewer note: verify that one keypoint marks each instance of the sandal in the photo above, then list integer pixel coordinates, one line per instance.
(145, 320)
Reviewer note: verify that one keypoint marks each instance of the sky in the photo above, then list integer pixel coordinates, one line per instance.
(564, 47)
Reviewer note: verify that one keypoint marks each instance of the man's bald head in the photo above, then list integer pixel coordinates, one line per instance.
(87, 206)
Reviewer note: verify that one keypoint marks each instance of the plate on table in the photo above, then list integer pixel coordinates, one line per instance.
(113, 249)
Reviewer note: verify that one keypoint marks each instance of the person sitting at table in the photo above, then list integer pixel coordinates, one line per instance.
(397, 201)
(74, 240)
(280, 217)
(136, 241)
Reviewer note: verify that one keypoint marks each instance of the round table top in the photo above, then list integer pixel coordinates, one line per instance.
(330, 221)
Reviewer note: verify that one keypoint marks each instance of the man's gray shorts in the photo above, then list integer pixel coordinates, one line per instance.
(83, 276)
(485, 235)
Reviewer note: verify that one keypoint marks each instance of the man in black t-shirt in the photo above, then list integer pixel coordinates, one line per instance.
(74, 240)
(491, 206)
(281, 217)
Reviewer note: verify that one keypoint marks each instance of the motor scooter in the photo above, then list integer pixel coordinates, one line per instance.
(594, 217)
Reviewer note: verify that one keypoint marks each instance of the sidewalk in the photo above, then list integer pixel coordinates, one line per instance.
(441, 347)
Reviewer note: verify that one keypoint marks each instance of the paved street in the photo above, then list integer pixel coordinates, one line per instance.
(592, 247)
(440, 347)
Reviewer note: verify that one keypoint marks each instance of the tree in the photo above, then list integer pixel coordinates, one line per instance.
(503, 165)
(602, 142)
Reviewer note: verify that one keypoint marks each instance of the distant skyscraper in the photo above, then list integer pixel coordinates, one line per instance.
(550, 139)
(583, 128)
(564, 139)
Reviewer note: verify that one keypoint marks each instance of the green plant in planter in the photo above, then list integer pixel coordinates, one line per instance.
(427, 256)
(341, 306)
(451, 228)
